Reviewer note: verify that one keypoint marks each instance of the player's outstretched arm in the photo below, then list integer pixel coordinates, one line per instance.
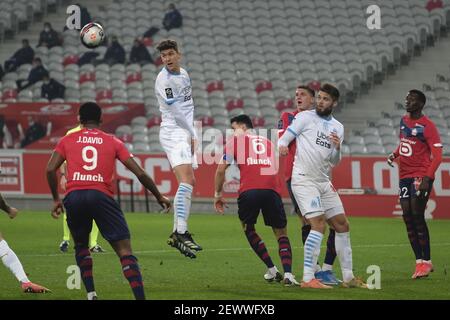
(219, 179)
(63, 179)
(147, 182)
(391, 157)
(336, 152)
(56, 160)
(12, 212)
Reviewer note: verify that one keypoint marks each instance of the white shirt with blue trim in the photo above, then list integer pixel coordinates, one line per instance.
(174, 94)
(316, 154)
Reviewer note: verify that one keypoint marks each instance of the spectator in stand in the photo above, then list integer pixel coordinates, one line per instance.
(34, 132)
(173, 18)
(89, 57)
(85, 16)
(20, 57)
(139, 53)
(52, 89)
(115, 52)
(37, 73)
(1, 72)
(49, 37)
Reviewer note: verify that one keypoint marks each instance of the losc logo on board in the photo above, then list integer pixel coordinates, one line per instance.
(56, 108)
(114, 109)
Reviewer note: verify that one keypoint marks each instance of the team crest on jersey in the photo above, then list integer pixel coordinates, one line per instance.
(291, 118)
(280, 124)
(169, 93)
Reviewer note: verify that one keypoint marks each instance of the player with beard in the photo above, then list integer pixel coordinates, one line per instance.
(304, 97)
(319, 138)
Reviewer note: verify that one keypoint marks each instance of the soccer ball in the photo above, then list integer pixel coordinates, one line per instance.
(92, 35)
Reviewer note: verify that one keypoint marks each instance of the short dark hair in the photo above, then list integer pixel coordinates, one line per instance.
(243, 119)
(331, 90)
(310, 91)
(420, 95)
(90, 112)
(167, 44)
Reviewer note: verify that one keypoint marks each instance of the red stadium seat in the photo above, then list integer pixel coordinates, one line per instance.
(258, 122)
(155, 121)
(72, 59)
(158, 62)
(263, 86)
(148, 42)
(9, 94)
(206, 121)
(88, 76)
(285, 104)
(214, 86)
(127, 138)
(315, 85)
(103, 94)
(134, 77)
(235, 104)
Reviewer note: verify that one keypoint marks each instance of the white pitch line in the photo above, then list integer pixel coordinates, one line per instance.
(111, 252)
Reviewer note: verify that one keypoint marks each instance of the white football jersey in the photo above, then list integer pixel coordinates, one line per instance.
(174, 90)
(315, 154)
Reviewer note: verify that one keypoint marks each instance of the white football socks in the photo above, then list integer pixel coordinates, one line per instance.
(91, 295)
(327, 267)
(273, 271)
(182, 207)
(344, 253)
(11, 261)
(311, 254)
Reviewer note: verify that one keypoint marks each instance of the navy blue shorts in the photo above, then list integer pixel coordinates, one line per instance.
(84, 206)
(409, 186)
(251, 202)
(294, 202)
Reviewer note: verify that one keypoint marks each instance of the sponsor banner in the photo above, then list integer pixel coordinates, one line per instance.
(367, 185)
(58, 118)
(373, 174)
(11, 173)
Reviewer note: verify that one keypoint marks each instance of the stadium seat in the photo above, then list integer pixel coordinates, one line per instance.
(357, 149)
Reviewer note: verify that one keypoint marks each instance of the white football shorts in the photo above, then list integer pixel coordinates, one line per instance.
(177, 144)
(316, 198)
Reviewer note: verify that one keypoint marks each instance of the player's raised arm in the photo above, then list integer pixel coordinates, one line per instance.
(56, 160)
(336, 139)
(147, 182)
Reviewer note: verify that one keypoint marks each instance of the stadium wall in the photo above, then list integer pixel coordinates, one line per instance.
(368, 185)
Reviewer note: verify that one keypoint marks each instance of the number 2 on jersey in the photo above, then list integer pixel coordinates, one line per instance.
(92, 160)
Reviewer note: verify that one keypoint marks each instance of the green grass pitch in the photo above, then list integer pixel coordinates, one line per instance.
(227, 268)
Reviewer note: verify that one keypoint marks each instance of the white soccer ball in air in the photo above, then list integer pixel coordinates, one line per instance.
(92, 35)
